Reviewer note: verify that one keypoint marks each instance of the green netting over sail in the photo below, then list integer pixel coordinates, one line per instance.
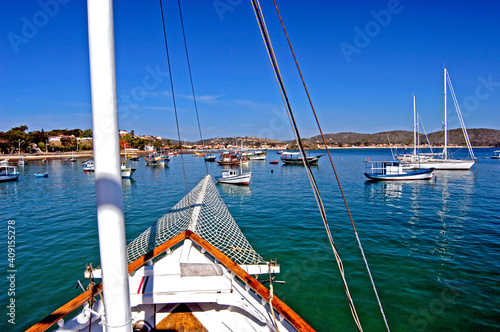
(203, 212)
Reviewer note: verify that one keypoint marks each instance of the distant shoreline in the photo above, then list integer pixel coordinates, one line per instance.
(90, 154)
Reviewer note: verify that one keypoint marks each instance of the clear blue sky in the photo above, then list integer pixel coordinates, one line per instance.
(362, 61)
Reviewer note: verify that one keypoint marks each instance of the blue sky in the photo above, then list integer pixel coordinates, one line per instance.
(362, 61)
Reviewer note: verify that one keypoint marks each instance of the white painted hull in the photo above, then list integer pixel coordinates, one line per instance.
(258, 157)
(444, 164)
(401, 177)
(10, 177)
(127, 172)
(243, 179)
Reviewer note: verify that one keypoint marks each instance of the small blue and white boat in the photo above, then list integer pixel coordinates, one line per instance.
(210, 157)
(8, 173)
(393, 170)
(42, 175)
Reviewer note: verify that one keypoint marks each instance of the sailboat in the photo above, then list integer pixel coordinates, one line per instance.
(193, 268)
(441, 161)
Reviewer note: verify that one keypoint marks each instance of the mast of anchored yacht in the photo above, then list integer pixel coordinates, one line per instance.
(445, 127)
(108, 183)
(414, 128)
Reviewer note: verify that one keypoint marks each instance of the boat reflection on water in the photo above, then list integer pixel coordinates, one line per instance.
(235, 191)
(383, 190)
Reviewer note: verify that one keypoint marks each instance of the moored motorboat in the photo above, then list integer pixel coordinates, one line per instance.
(210, 157)
(274, 162)
(126, 170)
(88, 166)
(496, 155)
(8, 173)
(229, 159)
(232, 176)
(295, 158)
(393, 170)
(258, 155)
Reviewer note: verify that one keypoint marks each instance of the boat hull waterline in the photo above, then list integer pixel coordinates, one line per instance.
(425, 174)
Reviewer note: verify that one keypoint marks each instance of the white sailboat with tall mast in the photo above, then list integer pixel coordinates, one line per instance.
(440, 161)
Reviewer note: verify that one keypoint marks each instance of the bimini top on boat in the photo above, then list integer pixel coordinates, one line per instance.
(194, 267)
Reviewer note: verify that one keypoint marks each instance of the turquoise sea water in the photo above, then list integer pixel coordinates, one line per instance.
(433, 246)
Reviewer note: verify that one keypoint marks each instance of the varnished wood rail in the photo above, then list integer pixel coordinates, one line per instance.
(294, 319)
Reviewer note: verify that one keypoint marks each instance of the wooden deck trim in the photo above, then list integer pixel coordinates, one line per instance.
(78, 301)
(278, 305)
(139, 262)
(260, 289)
(64, 310)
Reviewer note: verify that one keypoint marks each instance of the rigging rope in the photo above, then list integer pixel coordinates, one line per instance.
(272, 57)
(173, 97)
(191, 78)
(331, 162)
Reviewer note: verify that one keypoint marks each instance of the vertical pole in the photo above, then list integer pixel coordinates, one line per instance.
(110, 217)
(414, 128)
(445, 150)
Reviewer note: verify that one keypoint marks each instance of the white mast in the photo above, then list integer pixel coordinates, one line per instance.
(111, 221)
(445, 150)
(414, 128)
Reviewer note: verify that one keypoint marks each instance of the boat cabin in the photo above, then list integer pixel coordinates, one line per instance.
(229, 172)
(390, 167)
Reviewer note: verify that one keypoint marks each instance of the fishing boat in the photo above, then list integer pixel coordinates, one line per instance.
(126, 170)
(134, 157)
(8, 173)
(88, 166)
(21, 161)
(441, 161)
(228, 158)
(42, 175)
(210, 157)
(232, 176)
(155, 158)
(393, 170)
(496, 155)
(295, 158)
(258, 155)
